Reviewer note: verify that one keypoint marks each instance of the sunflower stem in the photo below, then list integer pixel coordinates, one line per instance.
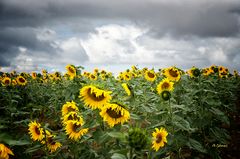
(131, 153)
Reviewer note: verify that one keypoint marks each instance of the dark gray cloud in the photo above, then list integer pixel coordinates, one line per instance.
(205, 19)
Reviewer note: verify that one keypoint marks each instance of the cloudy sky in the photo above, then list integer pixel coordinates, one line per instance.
(114, 35)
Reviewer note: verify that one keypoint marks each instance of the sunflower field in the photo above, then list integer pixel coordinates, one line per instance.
(138, 114)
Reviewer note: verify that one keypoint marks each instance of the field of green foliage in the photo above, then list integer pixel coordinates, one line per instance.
(140, 113)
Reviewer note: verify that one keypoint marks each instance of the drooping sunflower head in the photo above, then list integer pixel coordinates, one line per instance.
(166, 95)
(35, 131)
(5, 152)
(21, 80)
(74, 129)
(94, 97)
(172, 73)
(69, 107)
(164, 85)
(6, 81)
(71, 71)
(159, 138)
(127, 88)
(194, 72)
(114, 114)
(72, 116)
(150, 75)
(137, 138)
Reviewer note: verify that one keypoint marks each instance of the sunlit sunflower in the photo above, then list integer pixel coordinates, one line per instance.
(93, 77)
(35, 131)
(21, 80)
(172, 73)
(14, 82)
(150, 75)
(5, 152)
(159, 138)
(114, 114)
(127, 76)
(236, 74)
(94, 97)
(164, 85)
(6, 81)
(52, 145)
(34, 75)
(71, 71)
(126, 88)
(72, 116)
(69, 107)
(74, 129)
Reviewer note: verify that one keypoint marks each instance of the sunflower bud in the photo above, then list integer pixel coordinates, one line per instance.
(137, 138)
(166, 95)
(196, 72)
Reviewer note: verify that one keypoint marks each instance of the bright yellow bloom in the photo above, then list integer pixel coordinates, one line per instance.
(69, 107)
(172, 73)
(93, 77)
(71, 71)
(6, 81)
(150, 75)
(114, 114)
(159, 138)
(72, 116)
(21, 80)
(51, 144)
(127, 76)
(5, 152)
(126, 88)
(94, 97)
(34, 75)
(164, 85)
(35, 131)
(74, 130)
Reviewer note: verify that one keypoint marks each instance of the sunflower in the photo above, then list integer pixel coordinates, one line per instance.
(236, 74)
(35, 131)
(193, 72)
(71, 71)
(150, 75)
(34, 75)
(164, 85)
(5, 152)
(74, 131)
(14, 82)
(126, 88)
(6, 81)
(159, 138)
(72, 116)
(114, 114)
(94, 97)
(127, 76)
(93, 77)
(51, 144)
(172, 73)
(21, 80)
(69, 107)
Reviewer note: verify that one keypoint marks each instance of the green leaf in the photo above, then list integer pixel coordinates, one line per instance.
(194, 144)
(118, 156)
(118, 135)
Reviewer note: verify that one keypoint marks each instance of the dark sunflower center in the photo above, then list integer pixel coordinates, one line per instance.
(76, 127)
(165, 85)
(7, 81)
(158, 138)
(173, 73)
(37, 131)
(71, 70)
(70, 109)
(94, 97)
(22, 80)
(113, 114)
(73, 117)
(151, 75)
(127, 76)
(92, 76)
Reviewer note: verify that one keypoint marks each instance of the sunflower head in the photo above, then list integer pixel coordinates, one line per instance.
(72, 116)
(71, 71)
(5, 152)
(150, 75)
(6, 81)
(69, 107)
(127, 88)
(159, 138)
(165, 84)
(172, 73)
(93, 77)
(21, 80)
(35, 131)
(74, 129)
(94, 97)
(137, 138)
(114, 114)
(34, 75)
(127, 76)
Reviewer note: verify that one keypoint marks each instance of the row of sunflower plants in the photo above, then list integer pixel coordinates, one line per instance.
(140, 113)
